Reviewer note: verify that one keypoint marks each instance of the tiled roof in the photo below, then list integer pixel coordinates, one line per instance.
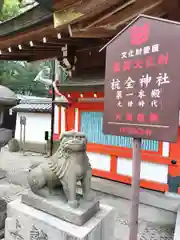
(32, 108)
(34, 105)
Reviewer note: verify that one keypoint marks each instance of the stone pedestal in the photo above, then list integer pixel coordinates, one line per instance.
(57, 206)
(3, 211)
(24, 222)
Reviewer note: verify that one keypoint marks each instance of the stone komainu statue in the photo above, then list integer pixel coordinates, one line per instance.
(68, 165)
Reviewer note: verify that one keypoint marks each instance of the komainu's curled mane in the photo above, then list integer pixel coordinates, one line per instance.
(68, 165)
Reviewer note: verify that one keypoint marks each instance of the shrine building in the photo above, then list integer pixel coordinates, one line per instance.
(73, 32)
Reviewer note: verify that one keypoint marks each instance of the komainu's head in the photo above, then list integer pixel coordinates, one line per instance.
(73, 141)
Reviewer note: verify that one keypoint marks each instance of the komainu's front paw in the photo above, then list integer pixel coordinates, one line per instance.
(73, 204)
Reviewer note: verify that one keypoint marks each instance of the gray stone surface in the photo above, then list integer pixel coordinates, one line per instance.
(2, 174)
(152, 232)
(2, 234)
(151, 198)
(177, 228)
(147, 230)
(160, 221)
(3, 210)
(17, 165)
(24, 222)
(57, 206)
(9, 191)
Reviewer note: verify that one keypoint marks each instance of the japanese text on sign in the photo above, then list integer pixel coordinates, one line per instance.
(138, 84)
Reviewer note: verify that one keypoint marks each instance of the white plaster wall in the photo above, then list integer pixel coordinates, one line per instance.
(149, 171)
(56, 119)
(36, 125)
(63, 120)
(76, 118)
(165, 149)
(100, 161)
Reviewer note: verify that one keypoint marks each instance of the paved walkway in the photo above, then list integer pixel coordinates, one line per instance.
(16, 166)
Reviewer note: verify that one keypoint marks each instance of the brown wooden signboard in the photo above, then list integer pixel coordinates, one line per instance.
(142, 81)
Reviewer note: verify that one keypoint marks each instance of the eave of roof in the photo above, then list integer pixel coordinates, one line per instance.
(92, 16)
(84, 86)
(77, 20)
(48, 4)
(32, 18)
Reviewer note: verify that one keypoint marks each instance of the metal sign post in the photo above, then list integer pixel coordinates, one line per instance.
(53, 105)
(136, 169)
(22, 134)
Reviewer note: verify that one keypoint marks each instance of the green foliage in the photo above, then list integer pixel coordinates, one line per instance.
(10, 9)
(19, 76)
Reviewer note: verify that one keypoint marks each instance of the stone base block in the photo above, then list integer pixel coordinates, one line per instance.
(57, 206)
(24, 222)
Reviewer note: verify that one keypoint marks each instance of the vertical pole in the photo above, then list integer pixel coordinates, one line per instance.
(21, 130)
(24, 135)
(53, 104)
(23, 141)
(136, 169)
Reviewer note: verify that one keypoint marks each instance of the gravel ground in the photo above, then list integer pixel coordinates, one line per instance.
(16, 166)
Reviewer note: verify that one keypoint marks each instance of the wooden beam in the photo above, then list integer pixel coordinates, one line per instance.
(158, 12)
(89, 48)
(92, 8)
(11, 57)
(30, 54)
(54, 42)
(139, 7)
(173, 9)
(35, 52)
(45, 47)
(110, 24)
(63, 5)
(44, 56)
(91, 33)
(112, 12)
(31, 49)
(154, 12)
(83, 10)
(71, 41)
(51, 43)
(29, 35)
(14, 52)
